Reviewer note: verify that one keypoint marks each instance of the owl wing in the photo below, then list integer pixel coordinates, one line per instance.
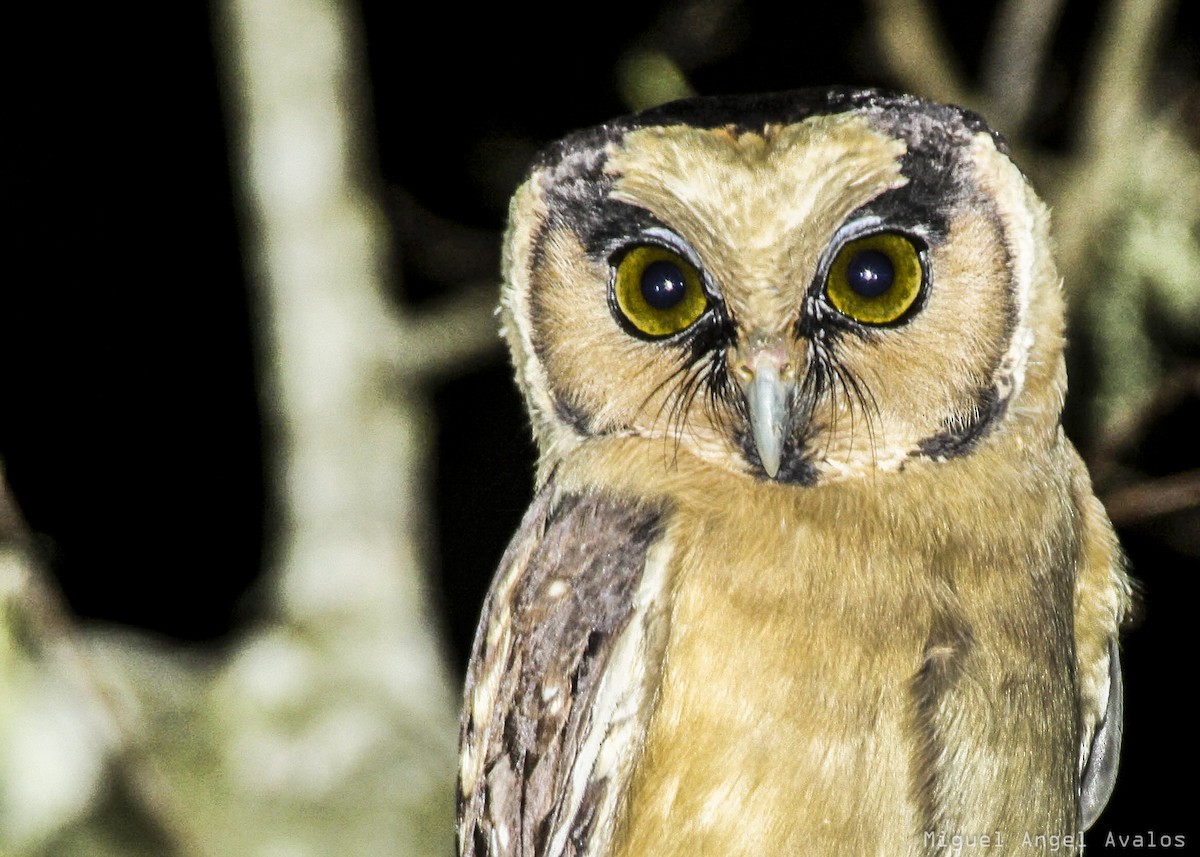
(561, 677)
(1103, 602)
(1104, 749)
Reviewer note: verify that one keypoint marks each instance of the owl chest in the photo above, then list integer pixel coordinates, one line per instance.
(782, 704)
(809, 668)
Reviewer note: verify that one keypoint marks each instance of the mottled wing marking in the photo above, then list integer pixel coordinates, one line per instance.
(562, 599)
(618, 716)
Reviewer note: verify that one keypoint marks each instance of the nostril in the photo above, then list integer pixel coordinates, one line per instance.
(759, 353)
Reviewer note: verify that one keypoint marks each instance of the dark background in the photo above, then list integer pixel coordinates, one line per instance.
(129, 423)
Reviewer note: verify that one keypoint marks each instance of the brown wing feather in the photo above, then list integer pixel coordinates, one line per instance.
(561, 597)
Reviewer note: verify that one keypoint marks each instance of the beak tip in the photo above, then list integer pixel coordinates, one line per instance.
(769, 454)
(768, 399)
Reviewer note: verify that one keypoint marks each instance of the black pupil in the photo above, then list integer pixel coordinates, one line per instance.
(663, 285)
(870, 273)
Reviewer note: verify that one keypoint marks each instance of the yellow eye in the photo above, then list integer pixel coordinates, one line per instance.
(875, 279)
(658, 291)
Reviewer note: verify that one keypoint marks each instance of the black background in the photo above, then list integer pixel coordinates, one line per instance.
(129, 421)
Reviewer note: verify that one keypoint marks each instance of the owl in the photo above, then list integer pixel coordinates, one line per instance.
(811, 568)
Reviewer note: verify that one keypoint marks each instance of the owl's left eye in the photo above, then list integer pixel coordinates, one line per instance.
(658, 291)
(875, 279)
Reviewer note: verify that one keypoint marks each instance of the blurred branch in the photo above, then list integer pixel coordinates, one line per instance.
(1154, 498)
(1113, 128)
(683, 37)
(448, 335)
(647, 78)
(1114, 95)
(351, 578)
(444, 250)
(51, 678)
(1126, 434)
(917, 50)
(1014, 58)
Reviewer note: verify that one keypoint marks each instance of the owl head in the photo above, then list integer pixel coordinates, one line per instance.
(802, 287)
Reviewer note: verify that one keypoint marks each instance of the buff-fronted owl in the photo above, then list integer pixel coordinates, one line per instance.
(811, 568)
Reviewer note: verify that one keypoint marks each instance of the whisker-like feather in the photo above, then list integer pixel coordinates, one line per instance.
(867, 404)
(815, 384)
(685, 381)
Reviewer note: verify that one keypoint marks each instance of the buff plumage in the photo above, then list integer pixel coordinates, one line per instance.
(812, 568)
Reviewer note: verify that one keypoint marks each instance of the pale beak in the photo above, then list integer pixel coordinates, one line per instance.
(768, 383)
(767, 396)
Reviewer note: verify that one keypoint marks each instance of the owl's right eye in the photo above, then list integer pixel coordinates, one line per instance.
(658, 291)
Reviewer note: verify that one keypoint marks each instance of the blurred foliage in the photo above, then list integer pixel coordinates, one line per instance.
(1139, 301)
